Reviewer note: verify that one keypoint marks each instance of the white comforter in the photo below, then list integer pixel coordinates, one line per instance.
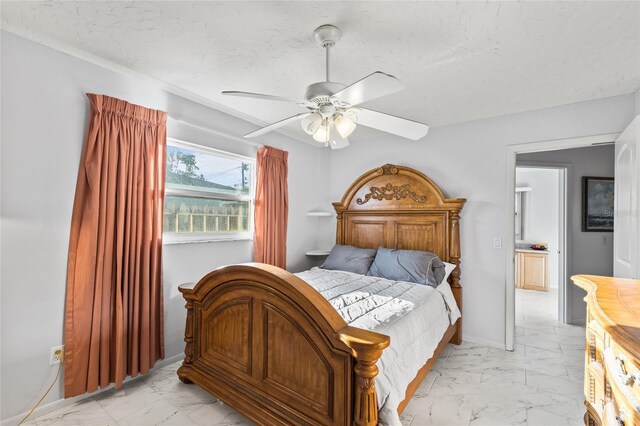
(414, 316)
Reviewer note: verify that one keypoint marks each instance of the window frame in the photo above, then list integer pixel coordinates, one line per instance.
(203, 237)
(521, 211)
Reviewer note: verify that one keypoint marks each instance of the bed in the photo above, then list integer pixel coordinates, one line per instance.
(270, 345)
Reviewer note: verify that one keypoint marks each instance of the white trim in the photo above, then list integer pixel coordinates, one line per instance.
(212, 131)
(207, 195)
(512, 151)
(61, 403)
(209, 150)
(169, 238)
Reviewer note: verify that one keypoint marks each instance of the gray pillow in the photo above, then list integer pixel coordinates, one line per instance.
(413, 266)
(350, 259)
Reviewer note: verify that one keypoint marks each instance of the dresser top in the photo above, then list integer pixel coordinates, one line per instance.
(616, 304)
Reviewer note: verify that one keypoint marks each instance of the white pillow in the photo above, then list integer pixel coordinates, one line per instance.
(448, 269)
(445, 289)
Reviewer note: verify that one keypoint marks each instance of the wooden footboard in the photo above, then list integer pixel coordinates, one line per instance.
(270, 346)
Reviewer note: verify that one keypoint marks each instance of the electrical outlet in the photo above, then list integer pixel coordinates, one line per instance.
(57, 354)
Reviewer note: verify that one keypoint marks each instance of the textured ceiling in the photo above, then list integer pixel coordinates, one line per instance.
(459, 61)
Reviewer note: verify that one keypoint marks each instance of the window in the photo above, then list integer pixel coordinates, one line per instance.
(208, 194)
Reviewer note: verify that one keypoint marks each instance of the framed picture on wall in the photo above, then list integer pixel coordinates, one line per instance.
(597, 204)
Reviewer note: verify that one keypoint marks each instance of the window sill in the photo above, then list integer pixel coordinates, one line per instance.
(169, 241)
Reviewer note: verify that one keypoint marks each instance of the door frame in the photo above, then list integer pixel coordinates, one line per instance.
(565, 194)
(512, 151)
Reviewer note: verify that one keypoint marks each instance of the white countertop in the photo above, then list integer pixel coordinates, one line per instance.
(530, 250)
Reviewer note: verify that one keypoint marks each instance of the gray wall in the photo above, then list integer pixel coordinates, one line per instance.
(590, 252)
(44, 113)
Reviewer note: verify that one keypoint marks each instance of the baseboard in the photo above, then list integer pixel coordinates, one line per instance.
(60, 403)
(484, 342)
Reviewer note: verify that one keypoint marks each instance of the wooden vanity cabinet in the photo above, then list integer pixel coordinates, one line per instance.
(532, 271)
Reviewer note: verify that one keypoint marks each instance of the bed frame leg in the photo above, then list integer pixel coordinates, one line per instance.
(366, 400)
(184, 380)
(185, 368)
(367, 347)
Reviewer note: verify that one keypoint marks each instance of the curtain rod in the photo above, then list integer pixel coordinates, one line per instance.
(213, 131)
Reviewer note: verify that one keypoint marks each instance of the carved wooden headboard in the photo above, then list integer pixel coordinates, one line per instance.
(399, 207)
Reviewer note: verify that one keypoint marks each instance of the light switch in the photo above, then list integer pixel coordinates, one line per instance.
(497, 243)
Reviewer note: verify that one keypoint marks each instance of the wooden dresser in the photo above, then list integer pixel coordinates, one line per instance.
(612, 359)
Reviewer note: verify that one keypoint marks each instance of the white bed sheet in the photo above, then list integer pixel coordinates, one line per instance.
(414, 316)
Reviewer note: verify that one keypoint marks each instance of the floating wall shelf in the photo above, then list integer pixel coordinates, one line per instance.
(319, 214)
(318, 252)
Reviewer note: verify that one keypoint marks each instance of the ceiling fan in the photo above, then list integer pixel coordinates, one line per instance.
(333, 112)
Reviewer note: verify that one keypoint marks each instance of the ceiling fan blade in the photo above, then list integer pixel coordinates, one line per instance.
(371, 87)
(276, 125)
(338, 142)
(391, 124)
(268, 97)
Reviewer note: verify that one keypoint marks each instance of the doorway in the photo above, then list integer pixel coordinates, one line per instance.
(572, 304)
(540, 240)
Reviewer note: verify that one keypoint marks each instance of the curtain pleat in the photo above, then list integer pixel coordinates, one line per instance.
(271, 207)
(114, 307)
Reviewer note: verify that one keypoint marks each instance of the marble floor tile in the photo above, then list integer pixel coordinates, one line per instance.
(218, 414)
(426, 385)
(503, 375)
(157, 413)
(540, 343)
(538, 384)
(540, 417)
(486, 411)
(133, 398)
(85, 412)
(438, 411)
(570, 331)
(557, 385)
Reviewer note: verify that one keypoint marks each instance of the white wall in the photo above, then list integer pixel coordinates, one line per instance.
(468, 160)
(44, 113)
(543, 212)
(590, 252)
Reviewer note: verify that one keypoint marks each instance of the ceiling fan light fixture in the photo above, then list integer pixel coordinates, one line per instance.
(344, 126)
(323, 134)
(311, 123)
(332, 104)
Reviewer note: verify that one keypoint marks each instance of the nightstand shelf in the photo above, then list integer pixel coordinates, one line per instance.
(319, 214)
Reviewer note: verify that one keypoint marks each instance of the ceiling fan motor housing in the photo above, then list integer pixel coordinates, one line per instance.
(320, 93)
(327, 35)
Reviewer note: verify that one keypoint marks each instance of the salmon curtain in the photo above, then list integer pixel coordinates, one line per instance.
(272, 207)
(114, 308)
